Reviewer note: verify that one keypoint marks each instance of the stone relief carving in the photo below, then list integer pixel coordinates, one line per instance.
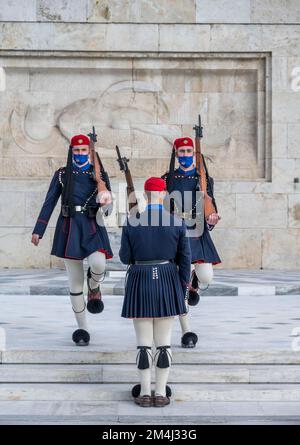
(148, 111)
(122, 106)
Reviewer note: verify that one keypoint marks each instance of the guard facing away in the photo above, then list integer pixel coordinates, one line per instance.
(155, 246)
(78, 236)
(186, 180)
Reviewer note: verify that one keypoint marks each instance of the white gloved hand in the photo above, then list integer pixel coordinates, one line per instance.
(104, 198)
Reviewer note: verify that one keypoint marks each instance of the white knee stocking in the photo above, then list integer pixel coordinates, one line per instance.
(185, 323)
(76, 279)
(162, 337)
(205, 273)
(144, 337)
(97, 263)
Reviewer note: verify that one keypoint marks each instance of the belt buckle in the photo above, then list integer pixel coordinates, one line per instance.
(78, 208)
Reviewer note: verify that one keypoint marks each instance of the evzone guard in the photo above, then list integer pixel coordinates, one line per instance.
(155, 245)
(84, 187)
(188, 179)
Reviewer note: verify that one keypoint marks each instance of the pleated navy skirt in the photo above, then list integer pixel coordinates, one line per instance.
(203, 249)
(153, 291)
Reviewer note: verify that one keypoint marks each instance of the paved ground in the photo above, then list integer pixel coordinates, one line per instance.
(226, 282)
(245, 368)
(256, 323)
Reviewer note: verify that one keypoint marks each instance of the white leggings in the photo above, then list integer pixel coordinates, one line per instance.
(205, 274)
(75, 271)
(158, 330)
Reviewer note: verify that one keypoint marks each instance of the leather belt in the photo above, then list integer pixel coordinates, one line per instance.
(153, 262)
(185, 215)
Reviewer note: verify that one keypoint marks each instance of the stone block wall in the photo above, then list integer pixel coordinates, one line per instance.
(141, 72)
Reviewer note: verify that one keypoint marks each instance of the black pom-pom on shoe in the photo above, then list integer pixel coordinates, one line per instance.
(95, 306)
(189, 340)
(81, 337)
(193, 298)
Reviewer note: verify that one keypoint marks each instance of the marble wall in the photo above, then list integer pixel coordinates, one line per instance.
(141, 71)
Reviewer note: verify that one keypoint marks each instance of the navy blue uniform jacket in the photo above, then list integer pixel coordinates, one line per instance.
(79, 236)
(202, 248)
(157, 241)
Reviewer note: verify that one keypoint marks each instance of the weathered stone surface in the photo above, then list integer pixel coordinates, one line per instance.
(282, 40)
(226, 80)
(261, 210)
(18, 251)
(184, 38)
(153, 11)
(238, 247)
(12, 209)
(79, 37)
(136, 37)
(182, 108)
(294, 210)
(279, 140)
(23, 10)
(280, 74)
(284, 171)
(222, 11)
(280, 248)
(25, 167)
(142, 11)
(61, 10)
(143, 98)
(226, 203)
(293, 140)
(286, 107)
(236, 38)
(33, 204)
(275, 11)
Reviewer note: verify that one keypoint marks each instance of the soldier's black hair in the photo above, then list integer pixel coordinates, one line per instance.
(67, 193)
(170, 178)
(171, 172)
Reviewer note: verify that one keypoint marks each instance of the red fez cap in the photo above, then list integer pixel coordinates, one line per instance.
(80, 140)
(155, 184)
(183, 142)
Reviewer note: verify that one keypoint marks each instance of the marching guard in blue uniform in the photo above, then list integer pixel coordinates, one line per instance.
(185, 180)
(158, 252)
(78, 236)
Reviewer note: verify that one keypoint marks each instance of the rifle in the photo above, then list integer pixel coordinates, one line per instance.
(205, 180)
(123, 163)
(96, 161)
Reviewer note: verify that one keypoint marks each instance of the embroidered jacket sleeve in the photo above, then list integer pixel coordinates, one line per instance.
(210, 192)
(125, 252)
(50, 202)
(183, 257)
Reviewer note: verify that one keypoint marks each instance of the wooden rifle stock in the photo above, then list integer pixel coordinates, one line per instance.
(123, 163)
(209, 206)
(96, 162)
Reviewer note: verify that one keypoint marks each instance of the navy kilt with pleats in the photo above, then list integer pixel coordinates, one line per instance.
(203, 249)
(159, 255)
(153, 291)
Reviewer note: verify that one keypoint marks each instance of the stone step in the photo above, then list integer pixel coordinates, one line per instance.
(126, 412)
(195, 392)
(116, 287)
(78, 355)
(121, 373)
